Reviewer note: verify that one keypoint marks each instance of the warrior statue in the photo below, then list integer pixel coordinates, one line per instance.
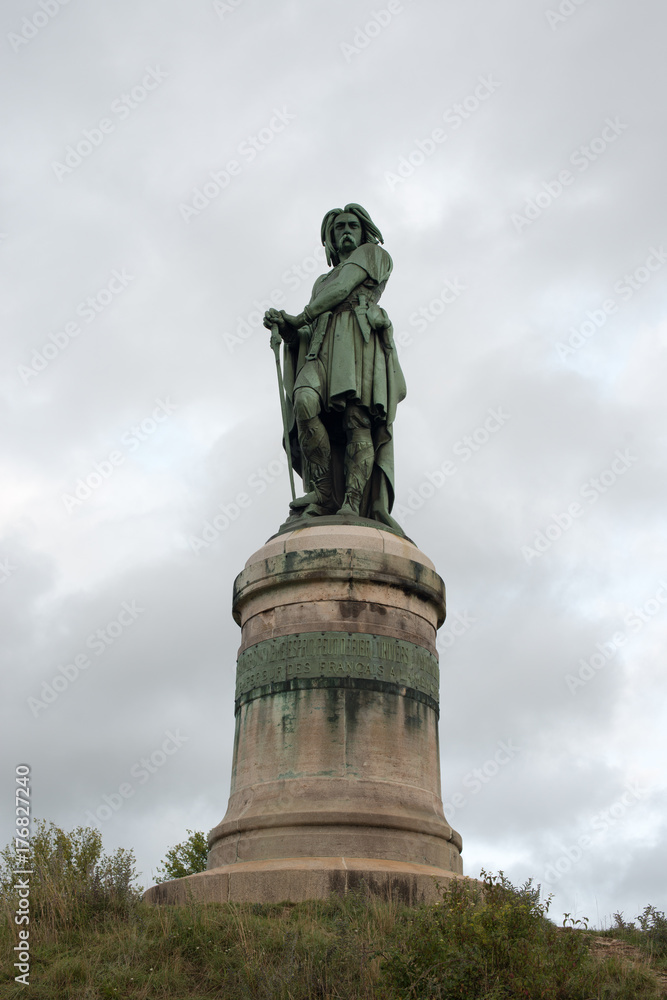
(342, 378)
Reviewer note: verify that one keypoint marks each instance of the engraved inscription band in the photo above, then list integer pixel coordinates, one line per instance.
(318, 656)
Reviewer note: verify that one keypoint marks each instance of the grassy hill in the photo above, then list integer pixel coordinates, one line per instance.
(100, 941)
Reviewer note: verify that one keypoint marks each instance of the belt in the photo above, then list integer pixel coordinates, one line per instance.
(345, 307)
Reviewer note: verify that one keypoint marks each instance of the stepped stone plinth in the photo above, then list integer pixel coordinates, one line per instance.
(336, 772)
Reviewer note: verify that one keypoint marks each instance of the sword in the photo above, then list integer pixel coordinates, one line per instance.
(276, 341)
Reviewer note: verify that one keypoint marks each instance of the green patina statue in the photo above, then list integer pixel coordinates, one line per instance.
(342, 379)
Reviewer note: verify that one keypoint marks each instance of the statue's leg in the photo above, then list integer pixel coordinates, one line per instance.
(315, 445)
(359, 457)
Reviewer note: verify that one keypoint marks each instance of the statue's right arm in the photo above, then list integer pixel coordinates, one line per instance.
(334, 292)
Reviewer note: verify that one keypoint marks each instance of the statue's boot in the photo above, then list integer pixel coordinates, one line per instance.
(315, 445)
(320, 499)
(359, 458)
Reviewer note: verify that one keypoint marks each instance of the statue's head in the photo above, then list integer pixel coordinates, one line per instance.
(364, 231)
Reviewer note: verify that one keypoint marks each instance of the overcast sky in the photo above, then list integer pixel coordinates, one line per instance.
(166, 167)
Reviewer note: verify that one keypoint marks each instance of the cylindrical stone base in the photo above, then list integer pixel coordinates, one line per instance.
(298, 879)
(336, 762)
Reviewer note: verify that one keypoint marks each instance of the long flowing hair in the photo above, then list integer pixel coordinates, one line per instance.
(369, 231)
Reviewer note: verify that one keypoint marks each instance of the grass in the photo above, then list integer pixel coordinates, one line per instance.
(488, 943)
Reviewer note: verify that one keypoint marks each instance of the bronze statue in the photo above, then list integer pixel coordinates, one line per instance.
(342, 378)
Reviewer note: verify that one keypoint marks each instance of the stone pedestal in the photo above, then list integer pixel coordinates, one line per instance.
(336, 773)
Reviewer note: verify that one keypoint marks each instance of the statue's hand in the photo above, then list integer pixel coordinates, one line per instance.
(274, 318)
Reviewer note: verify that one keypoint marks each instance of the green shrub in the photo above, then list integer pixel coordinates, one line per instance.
(654, 927)
(184, 859)
(72, 881)
(492, 941)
